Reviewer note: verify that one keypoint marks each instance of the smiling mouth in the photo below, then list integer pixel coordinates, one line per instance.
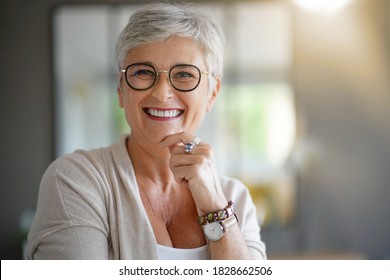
(166, 113)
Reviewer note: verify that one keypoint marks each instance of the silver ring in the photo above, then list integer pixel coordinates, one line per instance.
(188, 147)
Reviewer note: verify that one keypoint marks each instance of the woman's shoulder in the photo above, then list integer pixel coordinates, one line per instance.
(77, 161)
(87, 170)
(91, 159)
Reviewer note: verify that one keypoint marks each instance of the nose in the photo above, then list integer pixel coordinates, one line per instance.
(162, 89)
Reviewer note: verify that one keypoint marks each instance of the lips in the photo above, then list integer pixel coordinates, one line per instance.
(163, 113)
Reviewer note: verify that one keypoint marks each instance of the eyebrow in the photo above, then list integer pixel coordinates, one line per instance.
(152, 64)
(144, 62)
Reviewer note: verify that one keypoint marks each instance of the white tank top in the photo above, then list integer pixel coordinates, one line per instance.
(169, 253)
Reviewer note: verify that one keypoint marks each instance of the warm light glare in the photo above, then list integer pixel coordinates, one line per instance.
(322, 5)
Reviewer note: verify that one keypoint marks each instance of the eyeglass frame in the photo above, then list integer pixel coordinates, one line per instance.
(157, 76)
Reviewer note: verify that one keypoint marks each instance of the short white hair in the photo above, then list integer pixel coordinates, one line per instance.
(160, 21)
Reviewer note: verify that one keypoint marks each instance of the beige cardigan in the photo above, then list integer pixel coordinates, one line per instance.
(89, 207)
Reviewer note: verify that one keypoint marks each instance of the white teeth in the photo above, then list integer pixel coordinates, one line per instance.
(164, 114)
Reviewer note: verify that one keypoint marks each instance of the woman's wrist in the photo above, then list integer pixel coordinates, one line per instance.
(213, 206)
(217, 215)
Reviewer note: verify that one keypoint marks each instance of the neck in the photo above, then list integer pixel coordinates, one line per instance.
(151, 164)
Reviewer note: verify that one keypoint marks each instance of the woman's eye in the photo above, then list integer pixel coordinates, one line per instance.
(143, 73)
(183, 75)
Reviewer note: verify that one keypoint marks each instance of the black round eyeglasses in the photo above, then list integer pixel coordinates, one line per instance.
(182, 77)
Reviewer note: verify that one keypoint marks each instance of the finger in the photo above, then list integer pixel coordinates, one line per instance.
(204, 149)
(180, 173)
(181, 137)
(176, 149)
(184, 173)
(185, 160)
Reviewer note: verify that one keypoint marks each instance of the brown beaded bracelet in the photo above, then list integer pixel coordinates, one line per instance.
(218, 215)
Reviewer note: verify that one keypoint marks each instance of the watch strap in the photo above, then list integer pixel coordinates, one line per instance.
(229, 222)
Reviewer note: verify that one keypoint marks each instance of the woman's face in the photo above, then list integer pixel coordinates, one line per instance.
(162, 110)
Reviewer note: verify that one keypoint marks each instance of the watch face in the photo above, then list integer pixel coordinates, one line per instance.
(213, 231)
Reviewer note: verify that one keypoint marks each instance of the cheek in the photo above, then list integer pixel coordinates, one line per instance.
(197, 103)
(128, 102)
(199, 108)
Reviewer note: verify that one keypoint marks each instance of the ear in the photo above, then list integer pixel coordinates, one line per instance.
(213, 95)
(120, 94)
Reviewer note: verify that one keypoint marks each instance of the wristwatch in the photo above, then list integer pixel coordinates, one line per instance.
(216, 230)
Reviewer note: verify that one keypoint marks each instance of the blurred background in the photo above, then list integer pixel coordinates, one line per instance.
(303, 117)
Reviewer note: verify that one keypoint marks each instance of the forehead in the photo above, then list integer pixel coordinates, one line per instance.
(167, 53)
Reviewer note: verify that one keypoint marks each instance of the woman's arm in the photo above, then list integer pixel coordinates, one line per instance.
(71, 218)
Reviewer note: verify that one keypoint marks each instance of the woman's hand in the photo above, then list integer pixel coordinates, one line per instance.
(197, 168)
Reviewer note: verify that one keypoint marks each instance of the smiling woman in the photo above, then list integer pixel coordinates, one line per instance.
(251, 126)
(157, 190)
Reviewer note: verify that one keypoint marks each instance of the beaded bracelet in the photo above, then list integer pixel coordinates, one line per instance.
(218, 215)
